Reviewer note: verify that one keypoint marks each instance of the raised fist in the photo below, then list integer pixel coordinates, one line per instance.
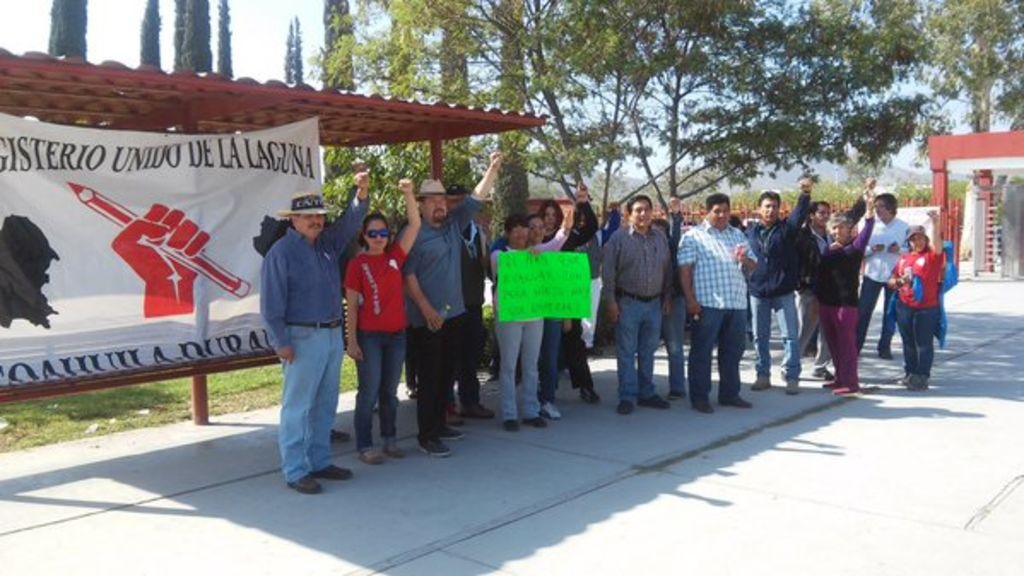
(158, 247)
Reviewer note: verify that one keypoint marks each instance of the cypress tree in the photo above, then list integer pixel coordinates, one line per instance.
(297, 54)
(197, 55)
(151, 34)
(179, 34)
(68, 23)
(224, 67)
(289, 57)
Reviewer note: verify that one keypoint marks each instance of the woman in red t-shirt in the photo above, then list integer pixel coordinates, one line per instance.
(918, 278)
(376, 325)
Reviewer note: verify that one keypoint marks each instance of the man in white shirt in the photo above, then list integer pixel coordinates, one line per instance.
(888, 242)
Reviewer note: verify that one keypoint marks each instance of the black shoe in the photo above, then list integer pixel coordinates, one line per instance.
(653, 402)
(435, 449)
(536, 422)
(511, 425)
(625, 407)
(589, 396)
(340, 436)
(736, 402)
(449, 433)
(885, 354)
(333, 472)
(676, 396)
(306, 485)
(704, 407)
(477, 411)
(824, 374)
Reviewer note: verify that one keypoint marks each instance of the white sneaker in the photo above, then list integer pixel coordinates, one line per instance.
(549, 411)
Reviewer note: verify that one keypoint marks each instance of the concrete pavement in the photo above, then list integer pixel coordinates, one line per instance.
(892, 482)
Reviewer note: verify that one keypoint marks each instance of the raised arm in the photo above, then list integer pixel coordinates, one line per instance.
(799, 214)
(340, 233)
(412, 213)
(937, 240)
(486, 184)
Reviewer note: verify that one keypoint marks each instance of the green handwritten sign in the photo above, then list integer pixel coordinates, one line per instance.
(549, 285)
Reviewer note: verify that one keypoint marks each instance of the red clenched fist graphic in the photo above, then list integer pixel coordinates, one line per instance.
(169, 281)
(166, 250)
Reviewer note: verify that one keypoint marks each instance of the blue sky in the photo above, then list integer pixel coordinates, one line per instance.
(259, 31)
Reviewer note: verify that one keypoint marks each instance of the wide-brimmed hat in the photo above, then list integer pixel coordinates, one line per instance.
(431, 188)
(304, 203)
(916, 229)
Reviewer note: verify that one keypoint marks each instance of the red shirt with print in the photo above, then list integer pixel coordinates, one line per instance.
(378, 279)
(927, 266)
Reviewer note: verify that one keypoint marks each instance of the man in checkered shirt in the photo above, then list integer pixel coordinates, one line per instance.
(713, 261)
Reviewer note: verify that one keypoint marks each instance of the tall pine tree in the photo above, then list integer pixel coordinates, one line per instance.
(293, 72)
(195, 49)
(224, 67)
(180, 7)
(289, 59)
(67, 28)
(151, 34)
(297, 54)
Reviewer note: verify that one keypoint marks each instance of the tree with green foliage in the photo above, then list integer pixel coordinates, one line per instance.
(336, 65)
(196, 54)
(68, 23)
(180, 7)
(150, 51)
(224, 66)
(293, 72)
(977, 57)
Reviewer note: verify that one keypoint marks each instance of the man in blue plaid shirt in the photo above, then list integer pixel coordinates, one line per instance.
(713, 259)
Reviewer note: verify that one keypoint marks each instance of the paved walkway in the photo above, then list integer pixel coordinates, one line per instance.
(888, 483)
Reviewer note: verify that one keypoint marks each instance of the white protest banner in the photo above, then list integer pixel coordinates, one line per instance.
(128, 250)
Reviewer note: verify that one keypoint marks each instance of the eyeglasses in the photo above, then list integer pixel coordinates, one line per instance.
(382, 233)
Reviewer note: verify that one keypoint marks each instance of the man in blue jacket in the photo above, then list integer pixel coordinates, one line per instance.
(773, 284)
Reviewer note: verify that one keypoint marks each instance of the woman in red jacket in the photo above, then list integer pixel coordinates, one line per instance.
(918, 278)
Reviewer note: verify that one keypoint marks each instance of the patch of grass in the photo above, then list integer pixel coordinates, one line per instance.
(52, 420)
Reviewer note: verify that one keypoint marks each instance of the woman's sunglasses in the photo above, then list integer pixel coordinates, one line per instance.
(382, 233)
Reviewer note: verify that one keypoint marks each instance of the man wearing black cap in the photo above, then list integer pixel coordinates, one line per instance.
(433, 280)
(474, 271)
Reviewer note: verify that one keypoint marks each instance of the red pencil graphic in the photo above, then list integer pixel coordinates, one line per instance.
(199, 263)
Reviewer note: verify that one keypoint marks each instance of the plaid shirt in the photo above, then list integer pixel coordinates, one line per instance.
(717, 278)
(640, 264)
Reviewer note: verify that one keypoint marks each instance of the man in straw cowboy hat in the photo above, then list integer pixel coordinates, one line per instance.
(301, 306)
(433, 281)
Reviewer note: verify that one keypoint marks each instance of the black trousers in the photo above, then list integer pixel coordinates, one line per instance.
(436, 358)
(471, 349)
(575, 354)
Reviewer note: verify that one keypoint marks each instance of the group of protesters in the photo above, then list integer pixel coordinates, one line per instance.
(415, 300)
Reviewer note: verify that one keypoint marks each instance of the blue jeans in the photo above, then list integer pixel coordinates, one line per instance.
(519, 340)
(636, 339)
(673, 332)
(869, 291)
(917, 330)
(550, 348)
(379, 373)
(726, 329)
(785, 309)
(309, 401)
